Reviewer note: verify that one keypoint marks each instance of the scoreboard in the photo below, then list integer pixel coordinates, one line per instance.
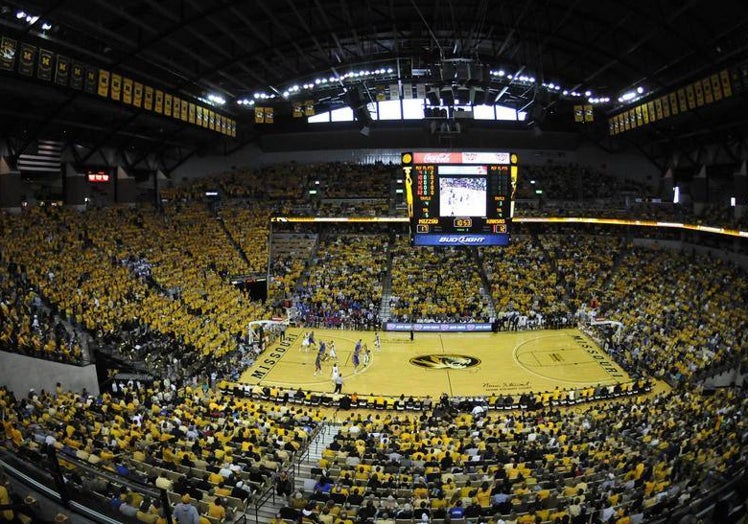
(460, 198)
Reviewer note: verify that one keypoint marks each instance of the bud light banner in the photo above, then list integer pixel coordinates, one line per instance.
(458, 239)
(438, 328)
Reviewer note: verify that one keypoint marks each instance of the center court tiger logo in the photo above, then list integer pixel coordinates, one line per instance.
(449, 361)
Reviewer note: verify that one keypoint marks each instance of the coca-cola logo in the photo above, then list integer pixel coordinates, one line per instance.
(437, 158)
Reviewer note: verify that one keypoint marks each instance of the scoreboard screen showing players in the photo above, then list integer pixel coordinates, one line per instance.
(460, 198)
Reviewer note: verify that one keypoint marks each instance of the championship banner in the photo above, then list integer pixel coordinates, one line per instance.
(176, 107)
(611, 126)
(27, 59)
(191, 117)
(167, 104)
(408, 91)
(183, 111)
(211, 119)
(394, 92)
(127, 91)
(716, 87)
(578, 114)
(665, 100)
(690, 97)
(297, 112)
(269, 115)
(233, 128)
(724, 77)
(651, 111)
(222, 121)
(259, 115)
(77, 76)
(103, 89)
(309, 108)
(137, 94)
(116, 91)
(158, 105)
(682, 104)
(706, 86)
(148, 98)
(658, 109)
(639, 116)
(645, 114)
(8, 48)
(699, 93)
(589, 116)
(44, 70)
(91, 83)
(199, 115)
(673, 104)
(632, 119)
(62, 72)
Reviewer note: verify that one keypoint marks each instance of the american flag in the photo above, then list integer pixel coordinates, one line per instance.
(44, 157)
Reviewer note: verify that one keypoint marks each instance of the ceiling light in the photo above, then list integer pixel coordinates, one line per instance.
(20, 14)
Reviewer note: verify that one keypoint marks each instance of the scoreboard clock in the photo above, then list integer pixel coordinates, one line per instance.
(460, 198)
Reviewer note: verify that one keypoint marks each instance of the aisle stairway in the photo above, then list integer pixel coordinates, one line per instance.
(305, 474)
(384, 306)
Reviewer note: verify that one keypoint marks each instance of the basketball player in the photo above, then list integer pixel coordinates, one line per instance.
(318, 363)
(377, 342)
(333, 355)
(335, 372)
(305, 342)
(367, 356)
(356, 356)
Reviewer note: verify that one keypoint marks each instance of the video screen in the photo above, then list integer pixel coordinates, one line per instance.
(462, 196)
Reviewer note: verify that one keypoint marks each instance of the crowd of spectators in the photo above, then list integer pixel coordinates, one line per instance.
(196, 442)
(435, 285)
(27, 326)
(614, 462)
(523, 279)
(681, 311)
(344, 285)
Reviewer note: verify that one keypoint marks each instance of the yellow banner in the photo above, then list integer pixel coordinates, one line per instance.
(167, 104)
(116, 93)
(690, 97)
(184, 111)
(148, 98)
(673, 103)
(697, 89)
(103, 83)
(159, 104)
(259, 115)
(127, 90)
(137, 94)
(716, 87)
(589, 116)
(578, 114)
(724, 77)
(211, 119)
(191, 113)
(682, 104)
(268, 115)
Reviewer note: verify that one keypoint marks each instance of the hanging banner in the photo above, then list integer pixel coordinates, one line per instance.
(578, 114)
(103, 83)
(191, 118)
(8, 48)
(116, 90)
(183, 113)
(27, 59)
(297, 111)
(137, 94)
(211, 119)
(77, 76)
(159, 103)
(199, 115)
(148, 98)
(62, 71)
(309, 108)
(167, 104)
(176, 106)
(91, 84)
(44, 69)
(127, 90)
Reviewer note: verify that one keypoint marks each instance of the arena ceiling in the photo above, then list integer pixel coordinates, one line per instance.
(239, 50)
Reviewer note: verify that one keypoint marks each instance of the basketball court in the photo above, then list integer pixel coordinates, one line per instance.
(475, 364)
